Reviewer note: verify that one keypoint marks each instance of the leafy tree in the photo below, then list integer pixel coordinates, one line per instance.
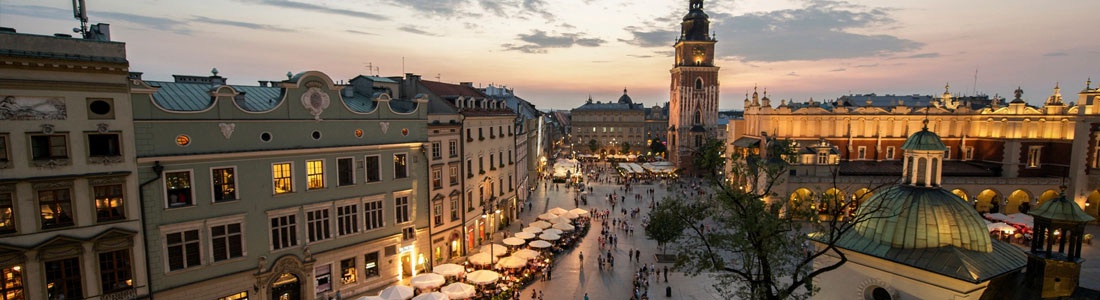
(593, 145)
(754, 246)
(657, 147)
(626, 147)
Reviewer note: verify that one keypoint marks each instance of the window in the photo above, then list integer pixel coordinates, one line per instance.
(822, 157)
(370, 265)
(315, 174)
(63, 279)
(454, 175)
(400, 166)
(347, 219)
(225, 184)
(437, 151)
(947, 152)
(55, 206)
(7, 213)
(183, 249)
(11, 283)
(890, 152)
(345, 171)
(469, 168)
(511, 159)
(1033, 153)
(104, 144)
(284, 232)
(968, 153)
(481, 164)
(373, 210)
(408, 233)
(437, 178)
(454, 207)
(698, 83)
(227, 241)
(491, 135)
(401, 209)
(177, 186)
(108, 203)
(47, 147)
(323, 275)
(374, 173)
(348, 271)
(282, 177)
(238, 296)
(317, 225)
(437, 213)
(481, 133)
(861, 152)
(115, 271)
(452, 148)
(4, 156)
(698, 141)
(491, 165)
(469, 201)
(510, 186)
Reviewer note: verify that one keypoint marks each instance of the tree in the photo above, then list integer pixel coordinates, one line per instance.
(755, 247)
(657, 147)
(593, 145)
(626, 147)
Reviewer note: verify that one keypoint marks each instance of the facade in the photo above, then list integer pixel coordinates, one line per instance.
(656, 123)
(70, 219)
(693, 104)
(445, 168)
(526, 135)
(293, 189)
(488, 150)
(613, 127)
(1000, 158)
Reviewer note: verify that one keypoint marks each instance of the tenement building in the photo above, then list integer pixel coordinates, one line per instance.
(1000, 157)
(609, 128)
(298, 188)
(445, 168)
(69, 200)
(693, 103)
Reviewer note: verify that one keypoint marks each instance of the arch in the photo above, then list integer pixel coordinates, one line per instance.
(962, 194)
(801, 199)
(861, 195)
(699, 83)
(1015, 200)
(1047, 195)
(1092, 204)
(985, 199)
(832, 197)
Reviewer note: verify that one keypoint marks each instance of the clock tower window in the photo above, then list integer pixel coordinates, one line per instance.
(698, 83)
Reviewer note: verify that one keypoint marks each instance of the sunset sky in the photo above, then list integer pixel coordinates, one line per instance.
(557, 52)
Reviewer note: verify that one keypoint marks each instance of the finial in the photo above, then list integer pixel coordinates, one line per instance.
(1088, 84)
(765, 92)
(1056, 84)
(289, 75)
(214, 71)
(624, 91)
(754, 88)
(946, 87)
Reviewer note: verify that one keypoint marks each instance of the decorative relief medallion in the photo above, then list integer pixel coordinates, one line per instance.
(385, 126)
(47, 128)
(315, 101)
(227, 129)
(32, 108)
(102, 127)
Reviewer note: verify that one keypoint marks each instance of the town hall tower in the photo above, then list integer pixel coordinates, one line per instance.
(693, 103)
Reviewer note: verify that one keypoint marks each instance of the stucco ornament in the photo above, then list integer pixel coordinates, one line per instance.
(385, 126)
(227, 129)
(315, 101)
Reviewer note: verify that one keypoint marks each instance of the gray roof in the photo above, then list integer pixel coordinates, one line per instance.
(924, 140)
(911, 217)
(1061, 209)
(950, 261)
(437, 106)
(608, 106)
(196, 96)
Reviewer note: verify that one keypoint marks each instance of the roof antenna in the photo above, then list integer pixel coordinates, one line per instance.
(80, 12)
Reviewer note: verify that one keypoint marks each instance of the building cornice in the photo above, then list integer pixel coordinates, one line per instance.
(270, 153)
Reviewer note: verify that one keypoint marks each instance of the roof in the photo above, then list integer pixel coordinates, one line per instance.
(1062, 209)
(746, 142)
(910, 217)
(445, 90)
(625, 99)
(951, 168)
(924, 140)
(440, 107)
(950, 261)
(196, 96)
(589, 106)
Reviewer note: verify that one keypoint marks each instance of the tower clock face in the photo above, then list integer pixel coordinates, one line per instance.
(699, 51)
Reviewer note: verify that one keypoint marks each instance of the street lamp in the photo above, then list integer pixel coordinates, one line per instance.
(486, 209)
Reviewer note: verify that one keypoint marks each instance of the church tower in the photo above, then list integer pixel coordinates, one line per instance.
(693, 103)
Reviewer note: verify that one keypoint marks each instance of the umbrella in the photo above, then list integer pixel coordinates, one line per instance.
(995, 216)
(1020, 219)
(526, 253)
(579, 211)
(559, 220)
(370, 298)
(569, 215)
(427, 281)
(526, 235)
(449, 269)
(512, 262)
(459, 290)
(514, 241)
(397, 292)
(432, 296)
(564, 227)
(558, 211)
(547, 216)
(481, 259)
(999, 226)
(549, 236)
(495, 249)
(540, 244)
(482, 276)
(541, 224)
(532, 230)
(552, 231)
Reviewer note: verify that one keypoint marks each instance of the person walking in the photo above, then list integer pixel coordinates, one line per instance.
(666, 273)
(582, 258)
(585, 296)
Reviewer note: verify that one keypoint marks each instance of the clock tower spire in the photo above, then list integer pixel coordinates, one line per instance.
(693, 102)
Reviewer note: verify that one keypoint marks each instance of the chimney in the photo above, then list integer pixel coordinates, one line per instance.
(100, 32)
(410, 85)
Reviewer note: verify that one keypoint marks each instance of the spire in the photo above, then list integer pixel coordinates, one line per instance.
(696, 24)
(1088, 84)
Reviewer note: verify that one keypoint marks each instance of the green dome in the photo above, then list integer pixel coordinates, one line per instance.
(908, 217)
(1061, 209)
(924, 140)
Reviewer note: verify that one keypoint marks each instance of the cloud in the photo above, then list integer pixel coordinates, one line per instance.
(792, 74)
(650, 38)
(1054, 54)
(320, 9)
(415, 30)
(921, 55)
(865, 66)
(539, 41)
(815, 32)
(538, 7)
(240, 24)
(639, 56)
(443, 8)
(359, 32)
(838, 70)
(158, 23)
(38, 12)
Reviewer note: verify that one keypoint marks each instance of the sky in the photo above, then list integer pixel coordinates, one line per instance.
(557, 53)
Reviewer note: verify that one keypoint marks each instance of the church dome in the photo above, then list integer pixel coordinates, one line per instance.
(911, 217)
(924, 140)
(625, 99)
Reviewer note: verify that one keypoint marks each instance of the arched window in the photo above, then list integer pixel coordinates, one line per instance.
(698, 83)
(698, 119)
